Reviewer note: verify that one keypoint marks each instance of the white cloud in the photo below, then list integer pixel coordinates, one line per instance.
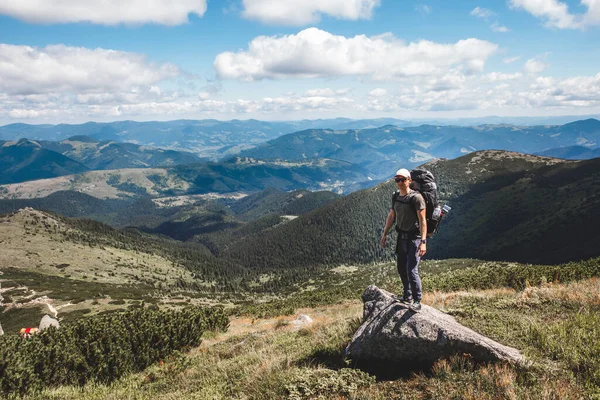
(303, 12)
(105, 12)
(379, 92)
(557, 15)
(481, 12)
(58, 68)
(499, 28)
(326, 92)
(315, 53)
(287, 104)
(494, 92)
(535, 66)
(510, 60)
(499, 76)
(575, 92)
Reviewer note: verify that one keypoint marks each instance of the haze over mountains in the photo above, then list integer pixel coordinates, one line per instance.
(376, 151)
(383, 150)
(207, 138)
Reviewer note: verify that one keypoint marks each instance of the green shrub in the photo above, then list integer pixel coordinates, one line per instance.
(326, 383)
(101, 348)
(515, 276)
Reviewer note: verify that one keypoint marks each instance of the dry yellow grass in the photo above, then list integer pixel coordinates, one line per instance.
(33, 240)
(94, 183)
(253, 360)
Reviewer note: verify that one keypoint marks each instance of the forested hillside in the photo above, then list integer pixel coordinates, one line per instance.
(506, 206)
(28, 161)
(107, 154)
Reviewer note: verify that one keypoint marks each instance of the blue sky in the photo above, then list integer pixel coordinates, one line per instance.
(280, 60)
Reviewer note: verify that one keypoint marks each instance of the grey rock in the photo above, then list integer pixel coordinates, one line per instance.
(392, 333)
(1, 330)
(47, 321)
(302, 320)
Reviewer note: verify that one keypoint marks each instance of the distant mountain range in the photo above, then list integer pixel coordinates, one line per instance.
(236, 175)
(572, 153)
(206, 138)
(26, 160)
(100, 155)
(217, 139)
(379, 150)
(383, 150)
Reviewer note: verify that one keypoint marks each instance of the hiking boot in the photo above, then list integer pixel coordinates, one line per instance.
(402, 299)
(416, 306)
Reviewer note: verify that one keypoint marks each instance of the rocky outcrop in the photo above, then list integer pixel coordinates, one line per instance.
(47, 321)
(391, 333)
(302, 321)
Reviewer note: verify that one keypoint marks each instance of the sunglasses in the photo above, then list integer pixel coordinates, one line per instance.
(400, 179)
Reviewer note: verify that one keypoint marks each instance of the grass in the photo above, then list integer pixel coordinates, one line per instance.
(554, 325)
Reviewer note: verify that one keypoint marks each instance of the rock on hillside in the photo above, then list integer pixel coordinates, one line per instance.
(393, 334)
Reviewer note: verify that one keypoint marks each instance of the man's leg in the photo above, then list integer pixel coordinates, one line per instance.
(412, 268)
(401, 255)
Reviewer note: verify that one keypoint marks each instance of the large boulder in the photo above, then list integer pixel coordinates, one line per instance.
(393, 334)
(46, 322)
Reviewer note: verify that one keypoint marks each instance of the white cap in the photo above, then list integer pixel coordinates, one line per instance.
(403, 172)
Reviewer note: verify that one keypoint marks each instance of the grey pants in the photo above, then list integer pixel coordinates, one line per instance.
(407, 261)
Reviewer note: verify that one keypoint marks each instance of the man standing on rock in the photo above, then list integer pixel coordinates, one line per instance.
(408, 212)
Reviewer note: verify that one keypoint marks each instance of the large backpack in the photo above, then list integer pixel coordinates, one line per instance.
(423, 181)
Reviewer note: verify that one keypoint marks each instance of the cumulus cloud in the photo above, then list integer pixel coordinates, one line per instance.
(378, 92)
(302, 12)
(105, 12)
(314, 53)
(59, 68)
(499, 28)
(556, 13)
(535, 66)
(327, 92)
(499, 76)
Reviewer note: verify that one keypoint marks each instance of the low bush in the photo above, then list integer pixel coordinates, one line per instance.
(101, 348)
(516, 276)
(326, 383)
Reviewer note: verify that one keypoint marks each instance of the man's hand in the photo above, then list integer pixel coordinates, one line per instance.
(383, 240)
(422, 249)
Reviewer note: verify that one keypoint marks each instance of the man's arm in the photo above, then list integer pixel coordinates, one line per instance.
(389, 222)
(423, 227)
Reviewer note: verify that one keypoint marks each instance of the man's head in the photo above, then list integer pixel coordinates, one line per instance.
(402, 178)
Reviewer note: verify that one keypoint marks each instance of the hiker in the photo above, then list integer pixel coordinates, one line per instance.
(408, 212)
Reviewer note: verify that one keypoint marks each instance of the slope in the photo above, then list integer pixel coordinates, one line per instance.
(27, 161)
(247, 175)
(506, 206)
